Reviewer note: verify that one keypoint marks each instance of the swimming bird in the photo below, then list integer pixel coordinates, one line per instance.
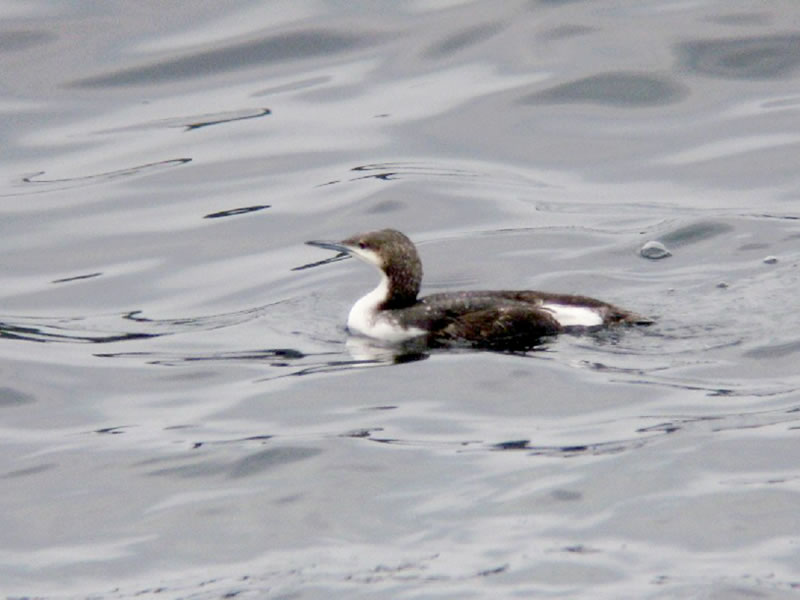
(504, 319)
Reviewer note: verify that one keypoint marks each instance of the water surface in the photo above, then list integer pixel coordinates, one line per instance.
(183, 414)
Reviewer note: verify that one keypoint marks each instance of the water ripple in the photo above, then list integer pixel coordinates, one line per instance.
(100, 329)
(194, 122)
(278, 48)
(49, 185)
(392, 171)
(621, 89)
(762, 57)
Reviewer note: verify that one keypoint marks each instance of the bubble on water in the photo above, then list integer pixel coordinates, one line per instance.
(654, 250)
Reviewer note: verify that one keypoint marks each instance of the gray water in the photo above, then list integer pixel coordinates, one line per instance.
(182, 413)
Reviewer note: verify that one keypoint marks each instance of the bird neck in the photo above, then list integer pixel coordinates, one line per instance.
(400, 283)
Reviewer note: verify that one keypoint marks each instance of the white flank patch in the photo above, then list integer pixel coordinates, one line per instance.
(574, 316)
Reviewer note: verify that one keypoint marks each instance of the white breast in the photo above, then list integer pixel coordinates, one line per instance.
(574, 316)
(365, 319)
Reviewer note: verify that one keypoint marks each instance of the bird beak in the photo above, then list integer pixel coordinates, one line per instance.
(329, 246)
(344, 252)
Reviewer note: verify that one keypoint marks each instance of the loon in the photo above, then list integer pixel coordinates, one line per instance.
(504, 319)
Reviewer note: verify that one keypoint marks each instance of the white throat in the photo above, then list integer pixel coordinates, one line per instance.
(365, 311)
(366, 319)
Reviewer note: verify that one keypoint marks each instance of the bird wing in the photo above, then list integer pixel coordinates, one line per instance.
(507, 326)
